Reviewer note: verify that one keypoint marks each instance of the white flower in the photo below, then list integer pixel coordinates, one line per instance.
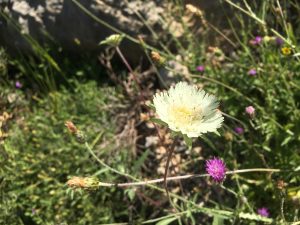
(188, 110)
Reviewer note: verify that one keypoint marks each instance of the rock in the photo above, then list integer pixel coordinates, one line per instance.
(65, 24)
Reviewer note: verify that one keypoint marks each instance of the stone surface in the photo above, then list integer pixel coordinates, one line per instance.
(64, 23)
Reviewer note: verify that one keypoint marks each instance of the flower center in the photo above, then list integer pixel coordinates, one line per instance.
(182, 115)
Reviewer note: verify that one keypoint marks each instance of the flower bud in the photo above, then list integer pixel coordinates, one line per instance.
(77, 133)
(228, 136)
(86, 183)
(157, 58)
(250, 110)
(113, 40)
(71, 127)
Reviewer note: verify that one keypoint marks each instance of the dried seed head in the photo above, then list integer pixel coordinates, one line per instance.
(193, 9)
(281, 184)
(198, 12)
(87, 183)
(157, 58)
(71, 127)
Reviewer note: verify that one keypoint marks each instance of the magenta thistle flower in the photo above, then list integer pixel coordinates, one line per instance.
(239, 130)
(18, 84)
(200, 68)
(250, 110)
(252, 72)
(263, 212)
(216, 168)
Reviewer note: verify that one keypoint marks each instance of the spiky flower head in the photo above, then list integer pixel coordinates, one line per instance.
(18, 84)
(87, 183)
(252, 72)
(239, 130)
(113, 40)
(200, 68)
(263, 212)
(216, 168)
(189, 110)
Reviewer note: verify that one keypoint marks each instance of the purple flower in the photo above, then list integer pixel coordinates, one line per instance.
(18, 84)
(252, 72)
(279, 41)
(216, 168)
(250, 110)
(200, 68)
(263, 212)
(256, 41)
(239, 130)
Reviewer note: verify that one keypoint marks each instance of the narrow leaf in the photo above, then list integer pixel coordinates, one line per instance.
(166, 221)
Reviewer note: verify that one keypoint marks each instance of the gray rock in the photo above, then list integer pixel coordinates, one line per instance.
(64, 23)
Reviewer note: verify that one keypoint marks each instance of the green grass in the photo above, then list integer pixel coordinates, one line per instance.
(39, 155)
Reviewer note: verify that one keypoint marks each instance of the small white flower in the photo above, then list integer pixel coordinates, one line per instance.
(189, 110)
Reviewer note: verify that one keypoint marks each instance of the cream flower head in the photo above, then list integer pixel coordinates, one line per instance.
(189, 110)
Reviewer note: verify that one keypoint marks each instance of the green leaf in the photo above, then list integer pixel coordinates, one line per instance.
(217, 133)
(255, 217)
(174, 134)
(97, 139)
(166, 221)
(286, 141)
(130, 193)
(137, 165)
(158, 121)
(151, 106)
(207, 141)
(218, 220)
(188, 141)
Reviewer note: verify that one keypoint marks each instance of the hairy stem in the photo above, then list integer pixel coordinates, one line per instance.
(167, 167)
(184, 177)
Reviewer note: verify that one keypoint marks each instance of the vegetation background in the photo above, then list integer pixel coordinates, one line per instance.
(246, 55)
